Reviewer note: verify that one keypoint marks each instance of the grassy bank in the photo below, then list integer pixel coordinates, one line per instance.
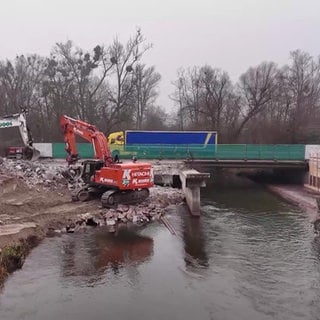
(13, 257)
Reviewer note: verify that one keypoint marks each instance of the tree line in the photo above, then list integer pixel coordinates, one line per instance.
(268, 104)
(108, 86)
(111, 87)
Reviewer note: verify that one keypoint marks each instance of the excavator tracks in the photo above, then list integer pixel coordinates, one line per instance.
(111, 198)
(80, 195)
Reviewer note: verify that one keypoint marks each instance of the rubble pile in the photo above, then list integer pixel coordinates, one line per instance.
(34, 173)
(167, 167)
(150, 210)
(48, 175)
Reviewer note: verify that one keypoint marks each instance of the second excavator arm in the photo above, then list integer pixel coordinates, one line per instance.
(19, 120)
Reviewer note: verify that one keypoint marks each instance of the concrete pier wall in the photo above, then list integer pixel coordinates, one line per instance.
(192, 180)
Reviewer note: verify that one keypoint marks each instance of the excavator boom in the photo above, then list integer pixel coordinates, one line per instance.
(72, 127)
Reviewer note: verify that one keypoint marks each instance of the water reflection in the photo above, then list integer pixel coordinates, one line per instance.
(124, 248)
(193, 237)
(90, 257)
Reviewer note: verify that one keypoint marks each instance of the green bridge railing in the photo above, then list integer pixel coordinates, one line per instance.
(219, 152)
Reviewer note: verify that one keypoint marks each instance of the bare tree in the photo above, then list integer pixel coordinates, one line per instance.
(121, 85)
(206, 99)
(187, 96)
(80, 75)
(257, 87)
(145, 92)
(105, 86)
(303, 87)
(20, 87)
(156, 119)
(19, 81)
(217, 92)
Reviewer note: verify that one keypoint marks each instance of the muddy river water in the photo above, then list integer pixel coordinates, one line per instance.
(250, 256)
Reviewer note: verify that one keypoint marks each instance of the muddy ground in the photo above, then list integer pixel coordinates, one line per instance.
(35, 200)
(35, 210)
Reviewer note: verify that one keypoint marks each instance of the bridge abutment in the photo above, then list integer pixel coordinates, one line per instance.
(192, 180)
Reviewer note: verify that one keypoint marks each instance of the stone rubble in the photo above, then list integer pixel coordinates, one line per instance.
(35, 173)
(48, 174)
(150, 210)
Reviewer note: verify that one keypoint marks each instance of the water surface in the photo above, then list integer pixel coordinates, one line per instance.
(250, 256)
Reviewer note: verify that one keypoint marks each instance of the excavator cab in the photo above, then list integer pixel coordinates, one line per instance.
(89, 169)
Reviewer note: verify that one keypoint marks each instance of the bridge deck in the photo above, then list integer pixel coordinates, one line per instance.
(250, 163)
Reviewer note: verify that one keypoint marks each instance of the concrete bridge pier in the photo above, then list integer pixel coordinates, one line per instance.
(192, 181)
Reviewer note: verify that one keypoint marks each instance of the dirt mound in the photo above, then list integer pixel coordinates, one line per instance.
(11, 184)
(26, 210)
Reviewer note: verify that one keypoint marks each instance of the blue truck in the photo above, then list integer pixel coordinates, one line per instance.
(170, 137)
(161, 144)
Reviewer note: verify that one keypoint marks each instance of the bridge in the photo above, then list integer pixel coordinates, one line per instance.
(223, 155)
(220, 155)
(281, 156)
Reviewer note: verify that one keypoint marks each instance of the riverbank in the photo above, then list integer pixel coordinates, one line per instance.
(301, 196)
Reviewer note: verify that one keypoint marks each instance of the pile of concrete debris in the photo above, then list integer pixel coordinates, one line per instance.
(150, 210)
(34, 173)
(47, 174)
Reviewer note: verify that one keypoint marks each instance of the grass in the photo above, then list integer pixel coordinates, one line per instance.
(13, 257)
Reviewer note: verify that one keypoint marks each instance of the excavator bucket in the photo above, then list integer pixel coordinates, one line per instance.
(31, 154)
(36, 154)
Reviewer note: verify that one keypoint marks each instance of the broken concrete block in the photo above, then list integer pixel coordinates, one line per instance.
(110, 222)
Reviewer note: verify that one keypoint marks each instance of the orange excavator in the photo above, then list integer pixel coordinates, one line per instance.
(104, 176)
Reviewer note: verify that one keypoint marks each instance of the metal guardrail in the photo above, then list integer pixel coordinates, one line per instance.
(219, 152)
(210, 152)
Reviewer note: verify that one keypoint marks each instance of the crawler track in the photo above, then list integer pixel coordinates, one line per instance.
(111, 198)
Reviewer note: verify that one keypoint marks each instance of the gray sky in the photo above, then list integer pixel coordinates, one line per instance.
(229, 34)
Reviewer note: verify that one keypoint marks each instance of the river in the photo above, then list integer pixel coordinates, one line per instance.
(249, 256)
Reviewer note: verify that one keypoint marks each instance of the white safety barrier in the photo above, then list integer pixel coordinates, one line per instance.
(311, 150)
(45, 149)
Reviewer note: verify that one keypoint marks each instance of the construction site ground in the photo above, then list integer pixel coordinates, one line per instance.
(35, 200)
(26, 210)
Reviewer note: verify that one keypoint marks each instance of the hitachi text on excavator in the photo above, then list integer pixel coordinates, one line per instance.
(115, 182)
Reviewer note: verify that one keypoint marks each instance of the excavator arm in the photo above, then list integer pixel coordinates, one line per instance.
(19, 120)
(72, 128)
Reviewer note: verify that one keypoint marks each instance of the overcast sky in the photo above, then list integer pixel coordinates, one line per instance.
(228, 34)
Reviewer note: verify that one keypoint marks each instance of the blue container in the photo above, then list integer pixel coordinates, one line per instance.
(171, 137)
